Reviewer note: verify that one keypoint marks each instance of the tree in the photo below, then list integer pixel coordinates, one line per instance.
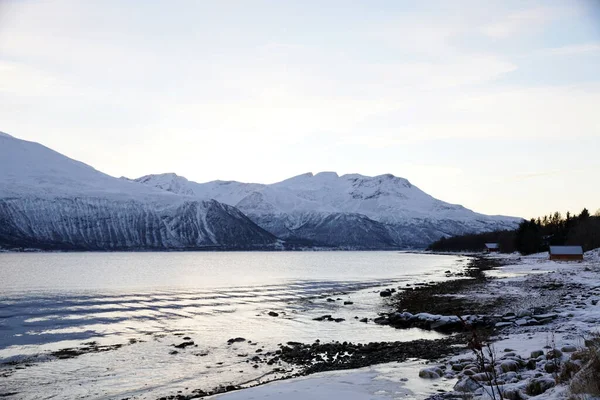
(528, 239)
(584, 214)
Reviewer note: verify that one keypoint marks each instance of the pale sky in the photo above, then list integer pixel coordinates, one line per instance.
(494, 105)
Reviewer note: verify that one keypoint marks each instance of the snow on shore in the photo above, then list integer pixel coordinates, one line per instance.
(383, 381)
(570, 291)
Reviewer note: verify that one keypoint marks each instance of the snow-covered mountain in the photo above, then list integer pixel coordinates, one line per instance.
(50, 201)
(350, 210)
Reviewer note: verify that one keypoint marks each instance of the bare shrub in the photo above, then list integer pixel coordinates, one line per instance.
(587, 380)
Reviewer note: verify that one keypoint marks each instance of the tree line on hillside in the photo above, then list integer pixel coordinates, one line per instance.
(532, 236)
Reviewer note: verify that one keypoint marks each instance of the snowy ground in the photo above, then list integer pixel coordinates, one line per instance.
(568, 291)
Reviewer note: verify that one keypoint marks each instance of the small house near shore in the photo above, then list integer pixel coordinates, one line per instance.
(492, 248)
(566, 253)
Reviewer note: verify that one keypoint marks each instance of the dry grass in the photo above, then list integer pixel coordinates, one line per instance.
(585, 382)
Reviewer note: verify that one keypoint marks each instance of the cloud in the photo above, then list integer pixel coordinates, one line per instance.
(522, 21)
(22, 80)
(575, 49)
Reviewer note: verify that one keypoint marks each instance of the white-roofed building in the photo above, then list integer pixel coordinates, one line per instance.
(492, 247)
(566, 253)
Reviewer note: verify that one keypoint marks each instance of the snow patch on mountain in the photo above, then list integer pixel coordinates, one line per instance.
(50, 201)
(412, 217)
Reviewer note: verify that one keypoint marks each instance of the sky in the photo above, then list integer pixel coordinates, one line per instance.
(490, 104)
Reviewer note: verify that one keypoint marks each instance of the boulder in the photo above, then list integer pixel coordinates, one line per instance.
(554, 353)
(513, 394)
(532, 364)
(431, 373)
(537, 353)
(467, 385)
(458, 367)
(568, 349)
(509, 365)
(545, 316)
(538, 386)
(550, 367)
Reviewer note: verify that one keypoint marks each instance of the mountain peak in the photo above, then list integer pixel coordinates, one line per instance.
(2, 134)
(327, 174)
(169, 181)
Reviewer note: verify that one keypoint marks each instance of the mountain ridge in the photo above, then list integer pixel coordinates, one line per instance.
(52, 202)
(411, 217)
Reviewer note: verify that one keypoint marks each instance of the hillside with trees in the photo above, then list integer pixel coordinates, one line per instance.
(533, 236)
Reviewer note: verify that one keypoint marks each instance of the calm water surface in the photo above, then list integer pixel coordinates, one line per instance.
(149, 301)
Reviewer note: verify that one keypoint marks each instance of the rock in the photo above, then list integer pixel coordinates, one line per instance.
(545, 316)
(509, 376)
(347, 303)
(554, 353)
(513, 394)
(524, 313)
(385, 293)
(538, 386)
(236, 340)
(509, 365)
(550, 367)
(323, 318)
(522, 322)
(273, 314)
(365, 320)
(183, 345)
(481, 377)
(330, 300)
(339, 319)
(568, 349)
(430, 373)
(458, 367)
(503, 324)
(537, 353)
(532, 364)
(467, 385)
(381, 321)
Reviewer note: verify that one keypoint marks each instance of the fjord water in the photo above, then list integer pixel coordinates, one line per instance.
(149, 301)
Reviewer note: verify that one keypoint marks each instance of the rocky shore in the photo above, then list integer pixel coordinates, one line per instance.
(294, 359)
(521, 327)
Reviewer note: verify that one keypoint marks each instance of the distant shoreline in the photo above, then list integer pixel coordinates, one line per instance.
(218, 249)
